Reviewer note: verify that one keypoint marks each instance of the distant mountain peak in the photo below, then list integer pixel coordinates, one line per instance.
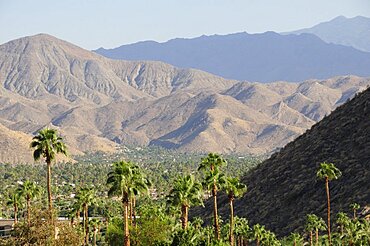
(353, 31)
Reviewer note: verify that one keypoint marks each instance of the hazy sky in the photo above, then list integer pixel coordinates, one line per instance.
(109, 23)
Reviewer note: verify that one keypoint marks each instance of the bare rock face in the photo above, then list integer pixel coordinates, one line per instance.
(97, 102)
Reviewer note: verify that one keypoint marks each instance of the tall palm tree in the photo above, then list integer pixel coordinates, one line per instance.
(354, 206)
(328, 171)
(85, 197)
(47, 144)
(125, 184)
(234, 189)
(138, 175)
(185, 193)
(29, 190)
(14, 200)
(210, 165)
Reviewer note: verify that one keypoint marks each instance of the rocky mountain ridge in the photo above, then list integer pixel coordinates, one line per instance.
(98, 103)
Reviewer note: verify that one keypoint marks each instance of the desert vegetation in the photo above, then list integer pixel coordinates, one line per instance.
(125, 203)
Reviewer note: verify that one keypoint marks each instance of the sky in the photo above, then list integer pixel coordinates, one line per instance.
(110, 23)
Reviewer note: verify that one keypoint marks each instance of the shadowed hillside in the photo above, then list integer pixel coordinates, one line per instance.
(284, 188)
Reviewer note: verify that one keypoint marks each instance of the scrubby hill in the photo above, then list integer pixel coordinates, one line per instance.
(284, 188)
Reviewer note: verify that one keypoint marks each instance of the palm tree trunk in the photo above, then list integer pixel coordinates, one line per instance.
(129, 211)
(48, 162)
(78, 217)
(133, 210)
(215, 212)
(83, 222)
(28, 210)
(15, 213)
(126, 230)
(294, 243)
(317, 237)
(311, 238)
(95, 235)
(342, 233)
(328, 197)
(231, 236)
(86, 224)
(184, 216)
(258, 242)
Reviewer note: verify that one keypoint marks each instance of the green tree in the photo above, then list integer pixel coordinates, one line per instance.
(15, 200)
(234, 189)
(210, 165)
(47, 144)
(85, 197)
(313, 222)
(242, 230)
(258, 233)
(29, 190)
(125, 184)
(185, 193)
(354, 207)
(328, 172)
(342, 221)
(296, 238)
(95, 224)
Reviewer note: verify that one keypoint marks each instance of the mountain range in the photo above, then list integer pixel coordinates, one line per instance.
(283, 189)
(265, 57)
(353, 32)
(98, 103)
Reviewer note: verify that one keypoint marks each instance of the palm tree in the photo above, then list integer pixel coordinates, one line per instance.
(310, 225)
(14, 200)
(354, 206)
(125, 184)
(95, 223)
(234, 189)
(258, 233)
(242, 230)
(211, 165)
(85, 197)
(29, 190)
(185, 193)
(296, 238)
(47, 144)
(138, 175)
(318, 224)
(342, 221)
(328, 172)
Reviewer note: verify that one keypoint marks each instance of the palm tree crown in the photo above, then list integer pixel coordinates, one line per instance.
(211, 162)
(185, 193)
(328, 171)
(29, 190)
(47, 144)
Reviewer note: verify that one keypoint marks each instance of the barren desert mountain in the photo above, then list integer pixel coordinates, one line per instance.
(263, 57)
(98, 103)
